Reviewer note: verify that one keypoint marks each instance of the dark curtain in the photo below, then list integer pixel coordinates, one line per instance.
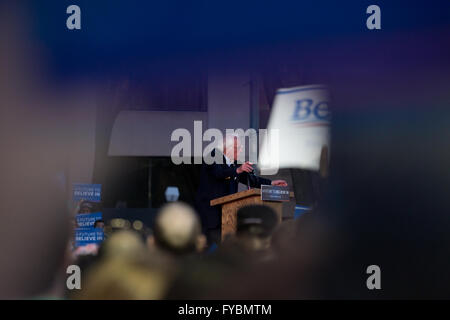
(186, 92)
(281, 75)
(115, 174)
(164, 174)
(125, 179)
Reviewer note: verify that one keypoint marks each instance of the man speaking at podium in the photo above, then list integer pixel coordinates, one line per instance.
(221, 179)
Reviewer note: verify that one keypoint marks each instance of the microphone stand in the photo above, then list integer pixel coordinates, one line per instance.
(248, 178)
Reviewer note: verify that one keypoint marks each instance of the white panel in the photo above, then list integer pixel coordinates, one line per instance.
(147, 133)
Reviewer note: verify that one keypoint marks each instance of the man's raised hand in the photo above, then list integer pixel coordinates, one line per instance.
(280, 183)
(245, 167)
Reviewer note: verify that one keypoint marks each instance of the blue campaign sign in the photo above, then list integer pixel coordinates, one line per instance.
(300, 210)
(85, 236)
(87, 220)
(274, 193)
(84, 191)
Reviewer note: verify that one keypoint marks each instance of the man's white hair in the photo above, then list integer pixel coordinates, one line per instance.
(229, 140)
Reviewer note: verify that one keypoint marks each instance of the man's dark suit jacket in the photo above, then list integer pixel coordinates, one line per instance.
(218, 180)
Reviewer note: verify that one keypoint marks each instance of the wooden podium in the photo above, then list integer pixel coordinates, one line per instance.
(232, 203)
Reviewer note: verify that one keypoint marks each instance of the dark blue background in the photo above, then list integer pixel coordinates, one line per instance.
(121, 34)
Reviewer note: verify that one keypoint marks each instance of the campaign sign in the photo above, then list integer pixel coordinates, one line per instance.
(85, 236)
(298, 130)
(87, 220)
(274, 193)
(300, 210)
(89, 192)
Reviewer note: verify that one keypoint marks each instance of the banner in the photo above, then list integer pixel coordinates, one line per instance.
(84, 191)
(301, 118)
(300, 210)
(85, 236)
(87, 220)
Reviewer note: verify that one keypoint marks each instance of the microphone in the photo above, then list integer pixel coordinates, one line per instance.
(248, 178)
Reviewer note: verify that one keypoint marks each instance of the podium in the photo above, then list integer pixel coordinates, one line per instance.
(233, 202)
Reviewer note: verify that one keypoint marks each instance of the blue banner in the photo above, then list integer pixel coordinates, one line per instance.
(84, 191)
(85, 236)
(300, 210)
(87, 220)
(274, 193)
